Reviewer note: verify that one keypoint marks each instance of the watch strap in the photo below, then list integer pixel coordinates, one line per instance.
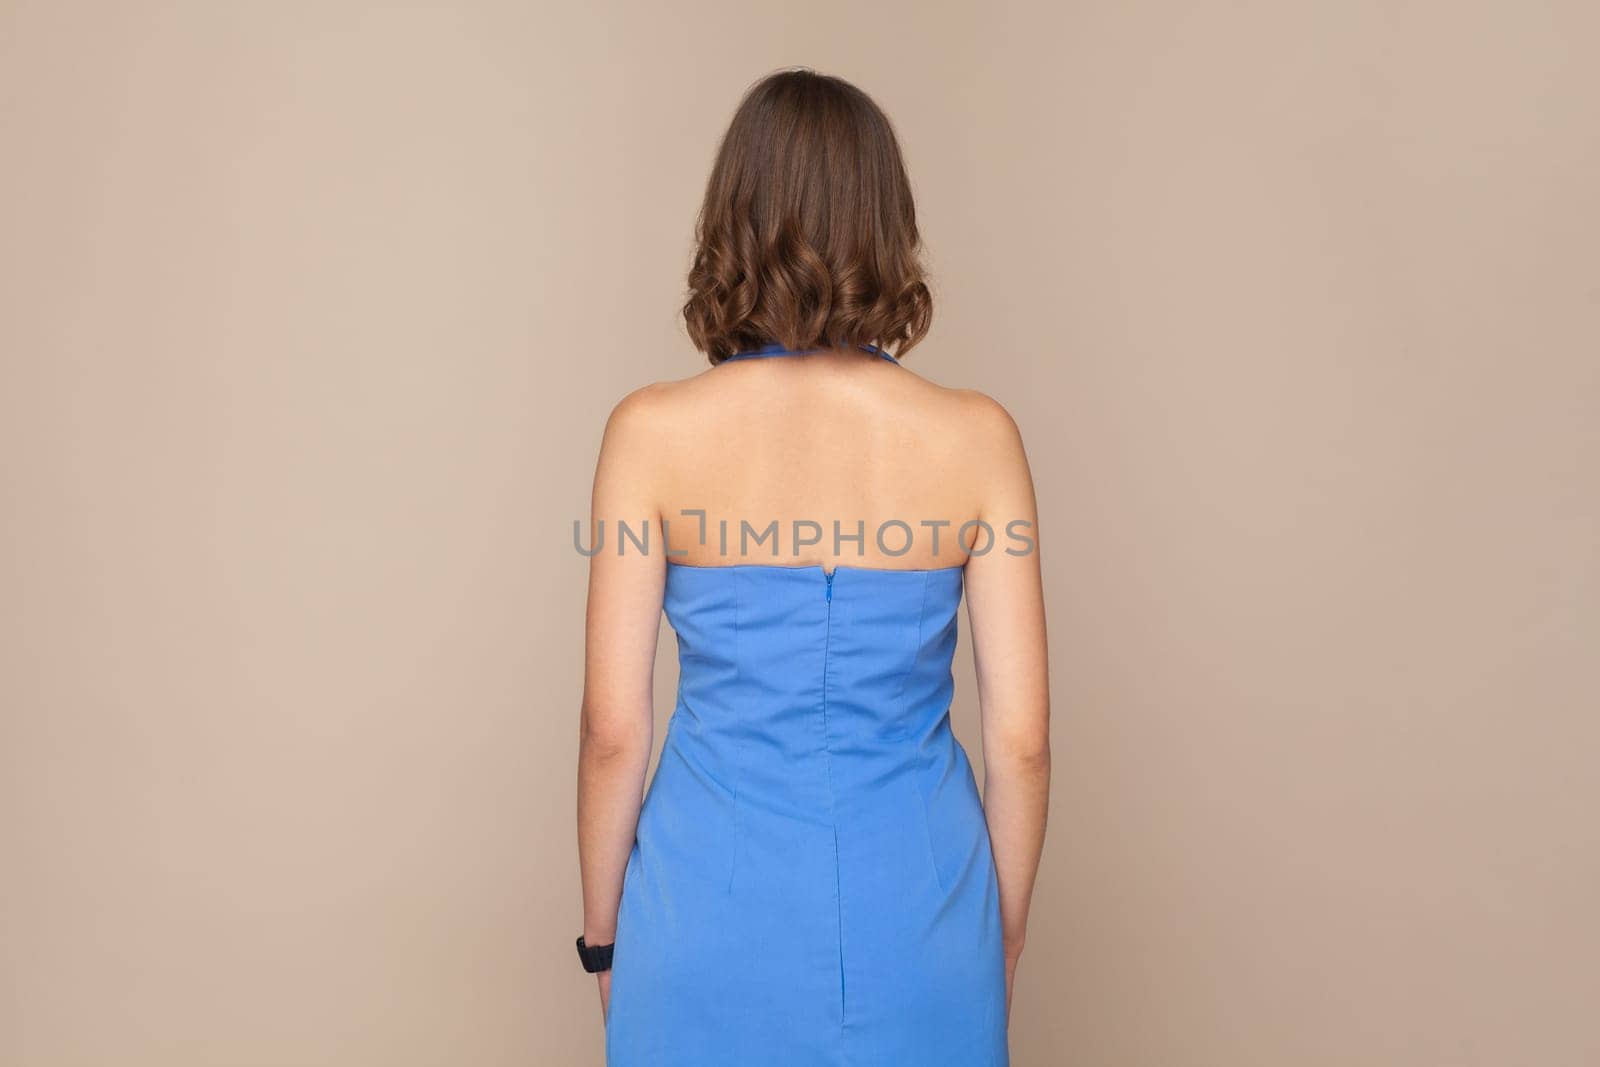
(595, 958)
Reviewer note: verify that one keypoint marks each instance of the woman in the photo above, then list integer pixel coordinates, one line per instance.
(811, 877)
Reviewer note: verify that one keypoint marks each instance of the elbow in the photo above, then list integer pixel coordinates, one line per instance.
(1027, 755)
(606, 736)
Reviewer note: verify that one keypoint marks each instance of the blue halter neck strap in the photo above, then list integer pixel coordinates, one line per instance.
(777, 349)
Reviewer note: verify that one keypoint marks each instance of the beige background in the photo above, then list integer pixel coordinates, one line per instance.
(310, 316)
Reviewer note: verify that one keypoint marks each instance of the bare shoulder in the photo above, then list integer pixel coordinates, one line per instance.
(986, 427)
(636, 447)
(651, 411)
(985, 414)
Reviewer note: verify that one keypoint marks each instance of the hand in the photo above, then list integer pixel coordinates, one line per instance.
(603, 980)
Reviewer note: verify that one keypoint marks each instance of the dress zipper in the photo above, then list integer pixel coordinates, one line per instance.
(829, 576)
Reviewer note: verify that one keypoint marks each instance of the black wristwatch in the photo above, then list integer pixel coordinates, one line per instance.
(595, 957)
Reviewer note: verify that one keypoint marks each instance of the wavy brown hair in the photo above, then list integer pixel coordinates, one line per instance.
(808, 235)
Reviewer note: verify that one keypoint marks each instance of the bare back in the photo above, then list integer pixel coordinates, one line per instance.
(826, 458)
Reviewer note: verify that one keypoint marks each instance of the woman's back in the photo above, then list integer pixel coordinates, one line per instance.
(811, 797)
(830, 457)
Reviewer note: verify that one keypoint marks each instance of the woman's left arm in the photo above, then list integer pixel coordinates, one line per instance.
(623, 624)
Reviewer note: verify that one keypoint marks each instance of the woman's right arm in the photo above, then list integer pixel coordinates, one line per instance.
(1005, 607)
(622, 623)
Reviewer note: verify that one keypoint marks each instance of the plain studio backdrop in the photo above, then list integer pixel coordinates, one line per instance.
(311, 314)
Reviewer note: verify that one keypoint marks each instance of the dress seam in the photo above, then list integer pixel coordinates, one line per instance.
(736, 772)
(833, 813)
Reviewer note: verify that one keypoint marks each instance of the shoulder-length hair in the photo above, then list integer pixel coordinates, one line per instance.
(807, 236)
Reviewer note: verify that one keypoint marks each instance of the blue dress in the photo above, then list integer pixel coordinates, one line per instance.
(811, 883)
